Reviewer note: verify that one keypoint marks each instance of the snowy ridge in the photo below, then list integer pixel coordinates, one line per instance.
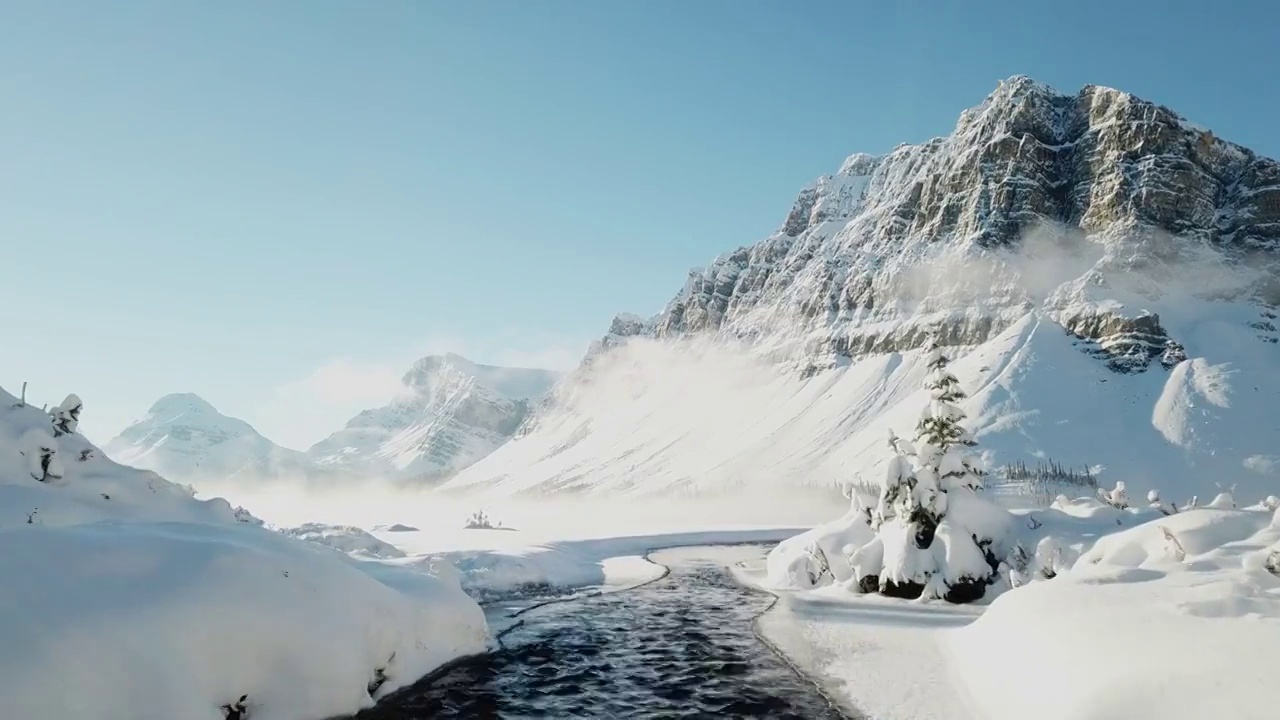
(1103, 272)
(1105, 180)
(129, 597)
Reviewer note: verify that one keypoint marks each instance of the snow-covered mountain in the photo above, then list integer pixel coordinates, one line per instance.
(1106, 272)
(451, 413)
(184, 437)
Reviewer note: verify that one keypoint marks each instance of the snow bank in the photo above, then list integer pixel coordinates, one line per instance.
(817, 557)
(1176, 618)
(395, 527)
(347, 538)
(128, 597)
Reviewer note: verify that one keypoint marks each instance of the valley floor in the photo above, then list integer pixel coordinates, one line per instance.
(1138, 628)
(1158, 618)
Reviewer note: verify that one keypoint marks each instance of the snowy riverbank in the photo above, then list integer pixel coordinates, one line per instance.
(125, 596)
(1174, 618)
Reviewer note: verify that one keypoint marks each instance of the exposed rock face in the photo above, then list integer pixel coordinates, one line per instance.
(1127, 344)
(452, 412)
(1126, 187)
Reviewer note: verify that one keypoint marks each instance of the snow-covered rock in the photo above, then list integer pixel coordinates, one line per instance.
(1105, 273)
(451, 413)
(395, 528)
(819, 556)
(345, 538)
(126, 596)
(184, 437)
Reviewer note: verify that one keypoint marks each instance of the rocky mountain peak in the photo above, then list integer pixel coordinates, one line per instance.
(1103, 272)
(859, 164)
(1129, 187)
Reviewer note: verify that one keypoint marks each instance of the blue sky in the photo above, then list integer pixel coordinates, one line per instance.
(279, 205)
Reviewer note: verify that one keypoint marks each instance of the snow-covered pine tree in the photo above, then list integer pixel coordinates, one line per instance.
(66, 416)
(948, 480)
(940, 426)
(935, 537)
(890, 563)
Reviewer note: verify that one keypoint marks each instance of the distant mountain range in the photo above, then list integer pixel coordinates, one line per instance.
(451, 413)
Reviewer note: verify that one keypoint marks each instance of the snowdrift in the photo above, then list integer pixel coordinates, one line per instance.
(127, 597)
(1174, 619)
(698, 416)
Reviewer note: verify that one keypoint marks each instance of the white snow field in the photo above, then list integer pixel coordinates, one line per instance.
(1139, 628)
(124, 596)
(566, 543)
(1148, 617)
(699, 416)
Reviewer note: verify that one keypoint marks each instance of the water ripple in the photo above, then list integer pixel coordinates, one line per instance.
(680, 647)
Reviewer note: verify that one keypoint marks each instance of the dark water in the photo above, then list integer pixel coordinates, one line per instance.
(680, 647)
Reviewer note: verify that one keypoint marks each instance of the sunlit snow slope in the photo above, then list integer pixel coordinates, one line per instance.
(1104, 272)
(660, 416)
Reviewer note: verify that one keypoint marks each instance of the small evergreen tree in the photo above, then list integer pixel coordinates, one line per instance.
(921, 548)
(66, 416)
(41, 452)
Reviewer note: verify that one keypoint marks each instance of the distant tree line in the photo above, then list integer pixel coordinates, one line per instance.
(1050, 471)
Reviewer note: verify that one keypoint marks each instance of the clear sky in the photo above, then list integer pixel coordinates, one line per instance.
(279, 205)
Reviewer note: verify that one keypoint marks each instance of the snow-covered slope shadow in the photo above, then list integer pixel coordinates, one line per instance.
(698, 416)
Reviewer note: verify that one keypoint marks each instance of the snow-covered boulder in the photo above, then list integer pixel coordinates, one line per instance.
(818, 557)
(395, 528)
(127, 597)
